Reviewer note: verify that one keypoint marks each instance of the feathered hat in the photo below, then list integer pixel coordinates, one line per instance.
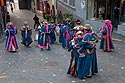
(79, 33)
(25, 22)
(88, 26)
(67, 19)
(10, 23)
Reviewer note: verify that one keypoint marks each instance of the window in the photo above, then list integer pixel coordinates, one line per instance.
(72, 2)
(65, 1)
(69, 2)
(96, 9)
(104, 9)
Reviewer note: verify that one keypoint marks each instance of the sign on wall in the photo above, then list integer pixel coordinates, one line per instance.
(82, 4)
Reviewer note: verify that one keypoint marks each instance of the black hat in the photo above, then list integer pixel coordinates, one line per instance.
(78, 22)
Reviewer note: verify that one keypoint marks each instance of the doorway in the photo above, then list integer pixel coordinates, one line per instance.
(25, 4)
(113, 11)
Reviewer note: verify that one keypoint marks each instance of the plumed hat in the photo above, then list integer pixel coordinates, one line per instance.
(79, 27)
(88, 26)
(25, 22)
(45, 22)
(79, 32)
(67, 19)
(10, 23)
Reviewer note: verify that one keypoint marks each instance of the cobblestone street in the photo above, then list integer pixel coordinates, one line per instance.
(31, 65)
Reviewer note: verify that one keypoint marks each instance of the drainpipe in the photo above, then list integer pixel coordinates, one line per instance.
(112, 12)
(120, 12)
(106, 9)
(56, 4)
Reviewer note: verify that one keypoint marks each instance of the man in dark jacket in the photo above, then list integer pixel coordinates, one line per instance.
(36, 20)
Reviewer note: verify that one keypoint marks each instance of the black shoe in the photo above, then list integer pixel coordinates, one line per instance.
(89, 76)
(105, 50)
(48, 49)
(83, 78)
(27, 46)
(63, 47)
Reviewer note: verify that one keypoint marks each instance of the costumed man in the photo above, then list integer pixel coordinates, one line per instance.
(11, 7)
(60, 33)
(44, 36)
(52, 32)
(8, 17)
(26, 33)
(65, 36)
(39, 31)
(87, 61)
(67, 22)
(106, 40)
(11, 41)
(73, 67)
(77, 28)
(65, 31)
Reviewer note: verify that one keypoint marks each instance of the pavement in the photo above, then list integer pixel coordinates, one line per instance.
(31, 65)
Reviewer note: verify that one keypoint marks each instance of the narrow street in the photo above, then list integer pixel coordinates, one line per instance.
(31, 65)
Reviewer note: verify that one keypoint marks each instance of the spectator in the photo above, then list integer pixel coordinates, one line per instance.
(8, 17)
(36, 20)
